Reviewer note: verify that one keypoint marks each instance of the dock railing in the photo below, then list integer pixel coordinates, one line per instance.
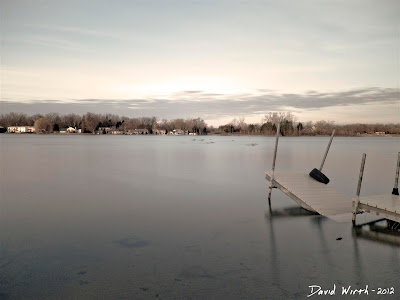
(360, 178)
(396, 178)
(327, 149)
(271, 185)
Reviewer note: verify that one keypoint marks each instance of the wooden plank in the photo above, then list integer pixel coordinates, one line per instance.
(313, 195)
(357, 199)
(387, 206)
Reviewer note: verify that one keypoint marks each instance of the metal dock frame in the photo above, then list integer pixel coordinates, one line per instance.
(271, 178)
(271, 185)
(387, 205)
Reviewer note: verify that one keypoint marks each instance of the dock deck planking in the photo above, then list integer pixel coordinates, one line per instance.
(387, 206)
(314, 195)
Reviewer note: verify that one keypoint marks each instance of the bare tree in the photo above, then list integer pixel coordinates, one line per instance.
(43, 125)
(91, 121)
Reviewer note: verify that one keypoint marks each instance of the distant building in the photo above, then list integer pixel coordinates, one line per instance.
(177, 132)
(63, 130)
(12, 129)
(159, 131)
(141, 131)
(21, 129)
(192, 133)
(117, 132)
(380, 132)
(71, 130)
(104, 130)
(30, 129)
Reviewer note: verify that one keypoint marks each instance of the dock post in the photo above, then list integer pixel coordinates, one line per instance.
(396, 178)
(360, 177)
(327, 149)
(271, 185)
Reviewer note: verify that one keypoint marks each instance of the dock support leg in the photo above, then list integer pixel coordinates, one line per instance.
(271, 184)
(360, 177)
(327, 149)
(396, 178)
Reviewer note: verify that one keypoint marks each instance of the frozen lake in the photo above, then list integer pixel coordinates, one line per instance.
(122, 217)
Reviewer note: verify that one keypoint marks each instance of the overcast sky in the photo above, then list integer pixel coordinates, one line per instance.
(332, 60)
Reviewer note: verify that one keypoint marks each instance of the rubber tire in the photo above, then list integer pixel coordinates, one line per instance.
(319, 176)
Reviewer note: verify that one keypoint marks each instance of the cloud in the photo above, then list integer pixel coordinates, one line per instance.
(78, 30)
(215, 106)
(53, 42)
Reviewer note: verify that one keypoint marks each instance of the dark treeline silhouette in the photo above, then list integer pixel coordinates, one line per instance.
(92, 123)
(96, 123)
(290, 127)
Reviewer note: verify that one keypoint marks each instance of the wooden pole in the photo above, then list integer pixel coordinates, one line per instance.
(327, 149)
(271, 185)
(360, 177)
(396, 178)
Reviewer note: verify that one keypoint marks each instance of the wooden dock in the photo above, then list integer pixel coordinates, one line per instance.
(317, 196)
(313, 195)
(386, 206)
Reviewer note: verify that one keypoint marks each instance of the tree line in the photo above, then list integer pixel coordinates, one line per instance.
(91, 122)
(289, 126)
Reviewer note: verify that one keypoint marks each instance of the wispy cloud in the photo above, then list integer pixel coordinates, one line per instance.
(53, 42)
(199, 103)
(78, 30)
(65, 38)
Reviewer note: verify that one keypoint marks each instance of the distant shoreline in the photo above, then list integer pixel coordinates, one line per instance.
(319, 135)
(114, 124)
(194, 136)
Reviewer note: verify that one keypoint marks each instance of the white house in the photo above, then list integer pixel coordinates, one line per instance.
(141, 131)
(12, 129)
(21, 129)
(159, 131)
(177, 132)
(117, 132)
(71, 130)
(104, 129)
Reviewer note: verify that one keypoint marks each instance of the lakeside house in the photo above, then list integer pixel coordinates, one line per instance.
(159, 131)
(141, 131)
(68, 130)
(117, 132)
(177, 132)
(101, 130)
(181, 132)
(104, 130)
(21, 129)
